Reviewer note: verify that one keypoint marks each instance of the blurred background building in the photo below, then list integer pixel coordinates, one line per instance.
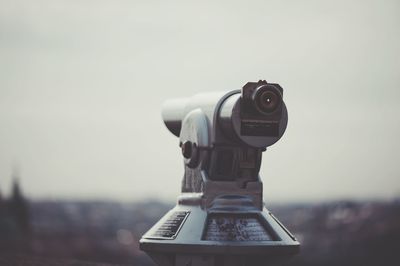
(15, 224)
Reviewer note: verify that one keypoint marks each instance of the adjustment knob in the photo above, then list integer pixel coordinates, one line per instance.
(187, 149)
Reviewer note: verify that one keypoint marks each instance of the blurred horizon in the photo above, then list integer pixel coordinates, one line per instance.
(82, 84)
(7, 192)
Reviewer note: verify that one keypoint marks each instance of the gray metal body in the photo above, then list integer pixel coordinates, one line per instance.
(220, 218)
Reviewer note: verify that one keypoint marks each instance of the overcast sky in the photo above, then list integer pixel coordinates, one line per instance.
(82, 83)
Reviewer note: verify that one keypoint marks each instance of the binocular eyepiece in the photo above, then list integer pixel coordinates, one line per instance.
(261, 99)
(255, 116)
(266, 99)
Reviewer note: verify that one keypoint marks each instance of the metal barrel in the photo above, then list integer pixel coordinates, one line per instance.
(173, 112)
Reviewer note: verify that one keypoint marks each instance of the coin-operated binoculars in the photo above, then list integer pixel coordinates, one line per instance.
(220, 218)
